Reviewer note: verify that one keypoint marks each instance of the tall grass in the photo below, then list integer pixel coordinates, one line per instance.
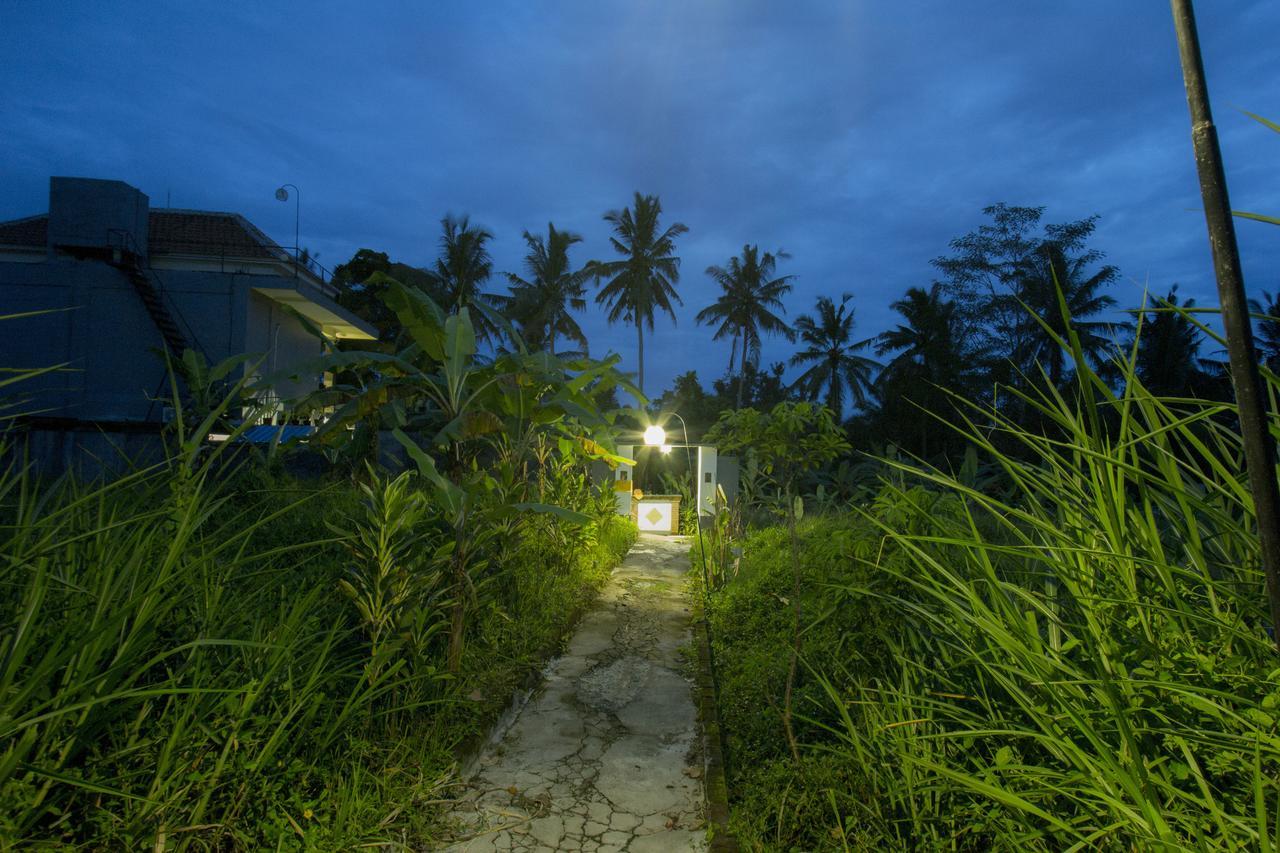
(160, 676)
(180, 667)
(1063, 645)
(1083, 661)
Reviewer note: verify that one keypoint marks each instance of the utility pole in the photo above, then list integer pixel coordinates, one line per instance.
(1259, 447)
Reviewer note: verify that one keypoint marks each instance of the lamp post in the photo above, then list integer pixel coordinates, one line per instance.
(282, 194)
(656, 436)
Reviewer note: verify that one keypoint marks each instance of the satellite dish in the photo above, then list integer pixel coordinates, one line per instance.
(282, 194)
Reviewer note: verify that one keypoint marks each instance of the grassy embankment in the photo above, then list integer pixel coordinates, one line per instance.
(180, 668)
(1065, 647)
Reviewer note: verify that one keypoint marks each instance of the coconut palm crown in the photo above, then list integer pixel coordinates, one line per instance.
(831, 354)
(749, 295)
(643, 280)
(462, 269)
(543, 305)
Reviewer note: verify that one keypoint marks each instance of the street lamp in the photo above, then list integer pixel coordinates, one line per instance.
(282, 194)
(656, 436)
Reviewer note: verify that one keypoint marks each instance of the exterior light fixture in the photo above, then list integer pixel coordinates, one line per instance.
(666, 448)
(655, 436)
(282, 194)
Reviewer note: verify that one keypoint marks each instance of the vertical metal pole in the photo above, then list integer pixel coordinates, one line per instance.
(297, 220)
(1259, 447)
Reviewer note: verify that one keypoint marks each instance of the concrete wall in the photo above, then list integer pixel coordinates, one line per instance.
(101, 331)
(113, 347)
(84, 211)
(282, 341)
(87, 454)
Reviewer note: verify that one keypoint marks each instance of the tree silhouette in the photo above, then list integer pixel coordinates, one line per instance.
(999, 269)
(543, 305)
(928, 342)
(831, 354)
(1267, 337)
(749, 294)
(1168, 361)
(462, 269)
(932, 360)
(644, 279)
(1050, 278)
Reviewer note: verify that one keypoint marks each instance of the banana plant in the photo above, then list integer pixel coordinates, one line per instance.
(438, 387)
(460, 416)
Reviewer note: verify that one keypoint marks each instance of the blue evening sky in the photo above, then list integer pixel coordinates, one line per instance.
(859, 136)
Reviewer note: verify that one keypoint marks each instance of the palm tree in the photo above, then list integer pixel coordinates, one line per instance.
(932, 360)
(1168, 361)
(831, 352)
(1048, 271)
(462, 269)
(929, 342)
(748, 292)
(543, 305)
(645, 278)
(1267, 338)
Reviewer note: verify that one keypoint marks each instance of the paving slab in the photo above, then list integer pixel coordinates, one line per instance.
(606, 754)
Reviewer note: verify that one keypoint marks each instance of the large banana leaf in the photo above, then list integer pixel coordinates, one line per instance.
(452, 498)
(417, 313)
(459, 343)
(558, 511)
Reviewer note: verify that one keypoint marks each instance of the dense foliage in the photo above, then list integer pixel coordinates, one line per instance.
(181, 668)
(1060, 648)
(207, 653)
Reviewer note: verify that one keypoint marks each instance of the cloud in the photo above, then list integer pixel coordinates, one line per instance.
(861, 137)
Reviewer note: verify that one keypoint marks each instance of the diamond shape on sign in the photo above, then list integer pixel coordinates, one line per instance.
(653, 516)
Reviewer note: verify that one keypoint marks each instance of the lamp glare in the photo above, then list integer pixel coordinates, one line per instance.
(655, 436)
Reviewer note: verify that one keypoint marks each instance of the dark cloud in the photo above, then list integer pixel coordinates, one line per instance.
(861, 137)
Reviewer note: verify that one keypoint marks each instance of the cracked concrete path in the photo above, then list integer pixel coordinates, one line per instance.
(607, 754)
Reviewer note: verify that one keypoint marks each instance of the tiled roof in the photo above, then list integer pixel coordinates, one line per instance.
(198, 232)
(172, 232)
(31, 231)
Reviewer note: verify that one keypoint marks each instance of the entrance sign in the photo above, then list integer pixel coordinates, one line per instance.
(658, 514)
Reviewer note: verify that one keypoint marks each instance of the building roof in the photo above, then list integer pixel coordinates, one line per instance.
(171, 232)
(201, 232)
(32, 231)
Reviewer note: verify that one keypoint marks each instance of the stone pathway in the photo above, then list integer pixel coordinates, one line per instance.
(607, 755)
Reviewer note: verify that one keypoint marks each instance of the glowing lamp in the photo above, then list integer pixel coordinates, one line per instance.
(666, 448)
(655, 436)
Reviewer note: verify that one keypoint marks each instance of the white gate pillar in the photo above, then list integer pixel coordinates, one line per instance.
(624, 481)
(706, 486)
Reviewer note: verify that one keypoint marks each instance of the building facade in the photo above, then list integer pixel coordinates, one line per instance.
(122, 282)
